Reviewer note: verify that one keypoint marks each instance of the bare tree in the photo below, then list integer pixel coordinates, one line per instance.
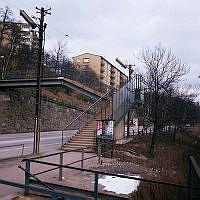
(5, 16)
(59, 54)
(163, 71)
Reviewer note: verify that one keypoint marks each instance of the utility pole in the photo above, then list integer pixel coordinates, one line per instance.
(130, 72)
(42, 26)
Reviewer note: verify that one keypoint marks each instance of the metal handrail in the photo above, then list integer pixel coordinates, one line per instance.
(106, 173)
(37, 179)
(195, 166)
(15, 145)
(87, 109)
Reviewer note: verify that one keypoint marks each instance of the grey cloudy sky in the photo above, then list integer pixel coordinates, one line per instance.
(117, 28)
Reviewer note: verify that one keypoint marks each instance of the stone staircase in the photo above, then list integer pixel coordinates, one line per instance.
(85, 137)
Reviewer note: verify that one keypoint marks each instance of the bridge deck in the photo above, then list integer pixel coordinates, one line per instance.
(49, 82)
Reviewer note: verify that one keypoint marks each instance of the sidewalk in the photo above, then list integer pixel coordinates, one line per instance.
(9, 171)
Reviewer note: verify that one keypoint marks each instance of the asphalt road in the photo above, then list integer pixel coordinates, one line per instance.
(49, 140)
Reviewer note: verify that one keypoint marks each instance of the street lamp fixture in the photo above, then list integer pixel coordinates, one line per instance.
(28, 19)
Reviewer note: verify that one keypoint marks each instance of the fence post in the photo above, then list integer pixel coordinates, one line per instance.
(178, 193)
(62, 138)
(96, 186)
(22, 150)
(82, 157)
(111, 153)
(190, 181)
(174, 135)
(99, 153)
(60, 168)
(26, 192)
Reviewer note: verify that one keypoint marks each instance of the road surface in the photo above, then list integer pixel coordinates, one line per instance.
(49, 140)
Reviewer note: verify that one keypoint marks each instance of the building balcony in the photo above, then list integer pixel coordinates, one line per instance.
(102, 63)
(102, 76)
(102, 69)
(112, 76)
(112, 82)
(113, 70)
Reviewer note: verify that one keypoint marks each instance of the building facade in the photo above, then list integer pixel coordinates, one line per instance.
(19, 33)
(106, 72)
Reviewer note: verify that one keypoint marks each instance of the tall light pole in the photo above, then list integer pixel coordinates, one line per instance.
(41, 27)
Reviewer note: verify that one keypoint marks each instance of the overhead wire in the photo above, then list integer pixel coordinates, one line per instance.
(64, 34)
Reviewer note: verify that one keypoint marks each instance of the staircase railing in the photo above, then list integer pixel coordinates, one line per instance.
(96, 107)
(126, 97)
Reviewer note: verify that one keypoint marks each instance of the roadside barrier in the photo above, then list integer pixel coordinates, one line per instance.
(15, 145)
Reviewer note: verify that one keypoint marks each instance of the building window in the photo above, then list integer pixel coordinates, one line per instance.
(102, 63)
(86, 60)
(85, 67)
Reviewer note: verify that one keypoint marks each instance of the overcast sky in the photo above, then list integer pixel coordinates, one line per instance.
(117, 28)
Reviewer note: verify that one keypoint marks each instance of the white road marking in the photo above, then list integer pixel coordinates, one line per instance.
(28, 140)
(28, 147)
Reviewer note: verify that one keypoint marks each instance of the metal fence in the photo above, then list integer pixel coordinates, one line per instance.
(125, 98)
(15, 145)
(194, 180)
(95, 193)
(81, 77)
(55, 190)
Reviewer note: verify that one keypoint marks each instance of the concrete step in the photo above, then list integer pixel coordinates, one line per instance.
(83, 138)
(77, 146)
(89, 128)
(88, 150)
(80, 145)
(84, 135)
(88, 143)
(93, 127)
(87, 131)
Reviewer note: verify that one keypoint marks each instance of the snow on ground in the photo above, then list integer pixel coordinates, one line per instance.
(119, 185)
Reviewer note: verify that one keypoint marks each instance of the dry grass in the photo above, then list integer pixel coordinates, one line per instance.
(169, 163)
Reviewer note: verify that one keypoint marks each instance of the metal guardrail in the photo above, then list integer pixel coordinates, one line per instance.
(15, 145)
(96, 177)
(194, 170)
(193, 180)
(53, 194)
(61, 160)
(48, 72)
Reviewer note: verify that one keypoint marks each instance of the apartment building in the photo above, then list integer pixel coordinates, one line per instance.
(12, 31)
(107, 72)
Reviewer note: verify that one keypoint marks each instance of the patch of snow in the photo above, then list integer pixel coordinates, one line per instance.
(119, 185)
